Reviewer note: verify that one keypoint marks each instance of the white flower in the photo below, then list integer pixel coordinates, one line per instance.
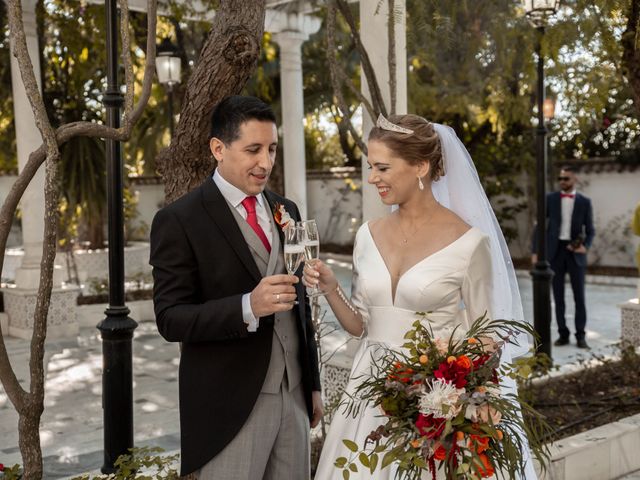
(441, 400)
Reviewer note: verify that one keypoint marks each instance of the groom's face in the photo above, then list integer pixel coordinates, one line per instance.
(246, 162)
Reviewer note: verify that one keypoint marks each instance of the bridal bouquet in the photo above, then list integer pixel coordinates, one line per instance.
(442, 408)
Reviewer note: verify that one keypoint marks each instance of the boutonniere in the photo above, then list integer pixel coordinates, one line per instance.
(281, 216)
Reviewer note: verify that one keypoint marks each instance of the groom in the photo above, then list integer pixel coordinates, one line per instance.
(249, 381)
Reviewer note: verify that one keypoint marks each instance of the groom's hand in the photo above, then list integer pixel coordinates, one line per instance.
(273, 294)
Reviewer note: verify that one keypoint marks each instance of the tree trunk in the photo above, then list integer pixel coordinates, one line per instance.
(226, 62)
(631, 52)
(29, 440)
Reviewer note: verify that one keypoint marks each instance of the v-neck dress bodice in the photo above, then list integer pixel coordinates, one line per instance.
(447, 284)
(452, 285)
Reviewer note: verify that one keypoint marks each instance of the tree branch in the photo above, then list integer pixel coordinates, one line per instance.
(391, 32)
(367, 68)
(131, 118)
(126, 55)
(335, 80)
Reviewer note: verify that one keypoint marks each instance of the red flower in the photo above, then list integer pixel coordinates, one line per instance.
(481, 444)
(454, 372)
(486, 469)
(463, 362)
(440, 453)
(1, 467)
(429, 426)
(481, 360)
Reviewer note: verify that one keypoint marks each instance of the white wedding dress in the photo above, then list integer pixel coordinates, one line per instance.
(452, 284)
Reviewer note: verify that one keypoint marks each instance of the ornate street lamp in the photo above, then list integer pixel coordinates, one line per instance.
(168, 66)
(117, 328)
(548, 112)
(549, 108)
(539, 13)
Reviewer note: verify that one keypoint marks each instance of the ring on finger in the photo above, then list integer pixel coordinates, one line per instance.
(277, 298)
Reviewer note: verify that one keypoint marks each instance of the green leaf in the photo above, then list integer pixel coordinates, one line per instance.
(350, 445)
(388, 459)
(340, 462)
(364, 459)
(346, 474)
(525, 371)
(374, 462)
(353, 467)
(420, 462)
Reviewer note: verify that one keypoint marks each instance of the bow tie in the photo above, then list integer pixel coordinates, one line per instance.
(567, 195)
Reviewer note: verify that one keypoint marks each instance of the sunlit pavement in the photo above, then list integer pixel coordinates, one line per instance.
(71, 428)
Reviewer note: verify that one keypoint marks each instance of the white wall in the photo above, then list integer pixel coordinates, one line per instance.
(614, 195)
(335, 201)
(150, 196)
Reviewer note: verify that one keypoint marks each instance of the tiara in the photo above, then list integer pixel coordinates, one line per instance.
(385, 124)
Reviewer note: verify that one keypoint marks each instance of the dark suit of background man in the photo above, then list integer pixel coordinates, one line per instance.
(249, 381)
(569, 235)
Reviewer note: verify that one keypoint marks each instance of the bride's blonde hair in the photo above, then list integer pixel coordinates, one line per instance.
(417, 147)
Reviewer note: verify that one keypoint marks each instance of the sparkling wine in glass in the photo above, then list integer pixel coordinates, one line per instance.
(311, 243)
(293, 248)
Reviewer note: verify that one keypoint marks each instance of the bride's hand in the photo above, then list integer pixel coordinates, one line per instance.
(317, 273)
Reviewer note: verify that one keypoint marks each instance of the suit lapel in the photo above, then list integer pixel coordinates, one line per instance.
(272, 206)
(576, 214)
(220, 212)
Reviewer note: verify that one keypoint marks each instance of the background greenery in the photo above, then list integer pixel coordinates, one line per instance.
(471, 65)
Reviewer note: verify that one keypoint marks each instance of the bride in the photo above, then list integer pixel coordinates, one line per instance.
(441, 251)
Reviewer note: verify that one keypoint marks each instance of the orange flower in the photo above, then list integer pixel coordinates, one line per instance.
(416, 443)
(499, 434)
(481, 444)
(472, 341)
(423, 359)
(440, 453)
(486, 469)
(464, 362)
(459, 435)
(451, 359)
(481, 389)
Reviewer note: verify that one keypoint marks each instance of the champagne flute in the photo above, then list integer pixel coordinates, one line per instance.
(311, 243)
(293, 248)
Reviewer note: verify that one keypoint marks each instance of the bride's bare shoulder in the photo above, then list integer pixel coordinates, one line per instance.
(379, 225)
(454, 223)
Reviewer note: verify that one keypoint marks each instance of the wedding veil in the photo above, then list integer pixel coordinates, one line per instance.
(460, 190)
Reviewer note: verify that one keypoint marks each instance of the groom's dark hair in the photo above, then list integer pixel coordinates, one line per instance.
(233, 111)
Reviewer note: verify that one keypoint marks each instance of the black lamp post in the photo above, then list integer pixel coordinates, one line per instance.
(117, 328)
(539, 12)
(168, 68)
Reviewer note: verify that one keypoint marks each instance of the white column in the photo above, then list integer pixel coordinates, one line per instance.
(28, 139)
(292, 98)
(373, 31)
(19, 302)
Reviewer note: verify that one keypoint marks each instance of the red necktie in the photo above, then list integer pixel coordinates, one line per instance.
(567, 195)
(249, 205)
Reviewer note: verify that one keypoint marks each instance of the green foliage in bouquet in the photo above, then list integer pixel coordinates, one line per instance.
(441, 407)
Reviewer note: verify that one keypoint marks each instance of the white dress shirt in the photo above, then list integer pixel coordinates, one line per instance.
(235, 196)
(566, 212)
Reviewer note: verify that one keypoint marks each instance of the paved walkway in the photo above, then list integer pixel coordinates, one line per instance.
(72, 422)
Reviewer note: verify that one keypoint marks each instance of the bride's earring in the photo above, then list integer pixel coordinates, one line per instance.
(420, 184)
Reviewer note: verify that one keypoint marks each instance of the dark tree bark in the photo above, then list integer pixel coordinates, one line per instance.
(631, 52)
(226, 62)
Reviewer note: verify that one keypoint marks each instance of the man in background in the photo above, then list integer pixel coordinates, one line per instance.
(570, 233)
